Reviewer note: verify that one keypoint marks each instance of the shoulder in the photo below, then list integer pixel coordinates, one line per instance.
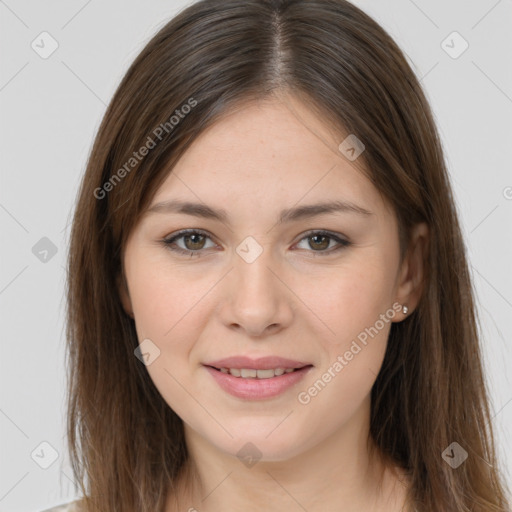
(71, 506)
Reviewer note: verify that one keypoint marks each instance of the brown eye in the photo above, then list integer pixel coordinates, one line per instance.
(322, 242)
(319, 242)
(194, 242)
(191, 242)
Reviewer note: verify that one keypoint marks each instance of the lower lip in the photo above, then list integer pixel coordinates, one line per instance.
(254, 388)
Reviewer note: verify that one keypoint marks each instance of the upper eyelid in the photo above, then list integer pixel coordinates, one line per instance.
(186, 232)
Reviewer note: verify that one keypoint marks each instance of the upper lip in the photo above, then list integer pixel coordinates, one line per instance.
(263, 363)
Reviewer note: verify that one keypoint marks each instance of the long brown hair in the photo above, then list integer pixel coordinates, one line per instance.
(126, 444)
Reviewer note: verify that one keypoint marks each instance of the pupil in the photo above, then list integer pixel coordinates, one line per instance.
(320, 245)
(195, 244)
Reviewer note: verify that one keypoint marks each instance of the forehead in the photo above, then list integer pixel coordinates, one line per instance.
(268, 153)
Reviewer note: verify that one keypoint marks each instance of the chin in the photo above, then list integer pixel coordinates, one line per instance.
(262, 447)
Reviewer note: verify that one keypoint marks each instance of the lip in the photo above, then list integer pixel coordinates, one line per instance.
(254, 388)
(262, 363)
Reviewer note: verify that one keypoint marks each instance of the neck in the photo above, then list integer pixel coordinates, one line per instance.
(341, 473)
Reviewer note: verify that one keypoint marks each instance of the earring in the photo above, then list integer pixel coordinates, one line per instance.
(405, 309)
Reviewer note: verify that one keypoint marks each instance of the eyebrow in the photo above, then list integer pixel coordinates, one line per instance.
(287, 215)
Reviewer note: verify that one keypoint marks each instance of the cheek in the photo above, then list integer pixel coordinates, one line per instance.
(349, 297)
(355, 302)
(166, 298)
(352, 357)
(170, 310)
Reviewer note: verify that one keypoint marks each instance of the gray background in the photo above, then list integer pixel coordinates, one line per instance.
(50, 111)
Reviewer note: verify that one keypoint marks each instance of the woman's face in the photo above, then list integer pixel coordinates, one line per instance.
(260, 279)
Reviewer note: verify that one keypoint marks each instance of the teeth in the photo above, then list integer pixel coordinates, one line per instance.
(249, 373)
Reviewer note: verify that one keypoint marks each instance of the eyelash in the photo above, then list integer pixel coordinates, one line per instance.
(168, 242)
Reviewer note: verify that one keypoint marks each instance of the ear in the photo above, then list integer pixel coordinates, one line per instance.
(411, 276)
(124, 294)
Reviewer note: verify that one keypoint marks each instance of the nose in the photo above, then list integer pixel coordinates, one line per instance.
(256, 301)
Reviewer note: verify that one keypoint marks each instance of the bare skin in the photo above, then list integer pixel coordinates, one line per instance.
(300, 299)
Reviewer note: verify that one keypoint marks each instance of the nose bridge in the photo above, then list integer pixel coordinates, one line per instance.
(257, 299)
(253, 279)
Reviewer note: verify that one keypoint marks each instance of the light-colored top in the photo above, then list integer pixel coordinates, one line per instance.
(65, 507)
(72, 507)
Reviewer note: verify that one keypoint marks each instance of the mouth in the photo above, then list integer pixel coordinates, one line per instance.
(257, 384)
(253, 373)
